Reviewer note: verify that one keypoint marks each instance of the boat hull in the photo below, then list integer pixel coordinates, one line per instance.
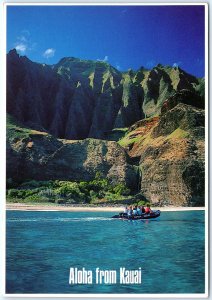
(153, 215)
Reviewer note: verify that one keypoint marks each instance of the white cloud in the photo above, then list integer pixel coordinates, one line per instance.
(23, 42)
(49, 53)
(118, 67)
(21, 47)
(105, 59)
(176, 64)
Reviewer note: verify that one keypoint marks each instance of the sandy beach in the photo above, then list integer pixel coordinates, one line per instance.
(45, 207)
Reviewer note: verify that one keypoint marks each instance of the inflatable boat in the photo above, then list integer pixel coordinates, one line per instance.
(154, 214)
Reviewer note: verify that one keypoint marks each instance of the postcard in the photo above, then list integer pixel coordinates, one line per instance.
(106, 155)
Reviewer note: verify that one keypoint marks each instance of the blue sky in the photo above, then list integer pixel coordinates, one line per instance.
(124, 36)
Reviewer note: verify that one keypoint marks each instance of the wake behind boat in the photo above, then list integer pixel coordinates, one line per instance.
(152, 215)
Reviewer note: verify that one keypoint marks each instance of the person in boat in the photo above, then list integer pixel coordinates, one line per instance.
(124, 213)
(148, 209)
(135, 211)
(139, 211)
(143, 209)
(130, 212)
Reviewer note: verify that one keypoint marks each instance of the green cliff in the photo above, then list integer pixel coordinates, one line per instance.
(143, 130)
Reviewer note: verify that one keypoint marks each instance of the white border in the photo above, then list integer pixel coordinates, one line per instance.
(104, 4)
(196, 296)
(206, 153)
(3, 155)
(3, 141)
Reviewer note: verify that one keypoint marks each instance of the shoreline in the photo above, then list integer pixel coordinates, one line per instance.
(45, 207)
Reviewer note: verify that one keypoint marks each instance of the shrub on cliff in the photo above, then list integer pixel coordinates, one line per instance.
(68, 192)
(121, 189)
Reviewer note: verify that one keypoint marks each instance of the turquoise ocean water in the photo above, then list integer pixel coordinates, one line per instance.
(42, 246)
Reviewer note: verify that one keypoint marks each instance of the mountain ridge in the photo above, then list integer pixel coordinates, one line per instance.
(59, 98)
(143, 129)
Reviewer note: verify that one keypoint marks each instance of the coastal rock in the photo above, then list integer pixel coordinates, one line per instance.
(170, 150)
(169, 176)
(40, 156)
(183, 116)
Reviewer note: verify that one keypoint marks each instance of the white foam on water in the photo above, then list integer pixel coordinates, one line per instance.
(86, 219)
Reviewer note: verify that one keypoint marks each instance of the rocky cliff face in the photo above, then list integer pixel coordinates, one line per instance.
(67, 115)
(76, 99)
(37, 155)
(171, 154)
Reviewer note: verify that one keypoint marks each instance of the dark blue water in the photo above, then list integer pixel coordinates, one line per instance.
(42, 246)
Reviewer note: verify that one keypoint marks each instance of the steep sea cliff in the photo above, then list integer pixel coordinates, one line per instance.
(143, 129)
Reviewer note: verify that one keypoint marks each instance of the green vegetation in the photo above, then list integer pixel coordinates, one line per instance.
(117, 134)
(89, 71)
(126, 141)
(133, 136)
(91, 78)
(124, 129)
(11, 121)
(130, 137)
(178, 134)
(15, 129)
(98, 190)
